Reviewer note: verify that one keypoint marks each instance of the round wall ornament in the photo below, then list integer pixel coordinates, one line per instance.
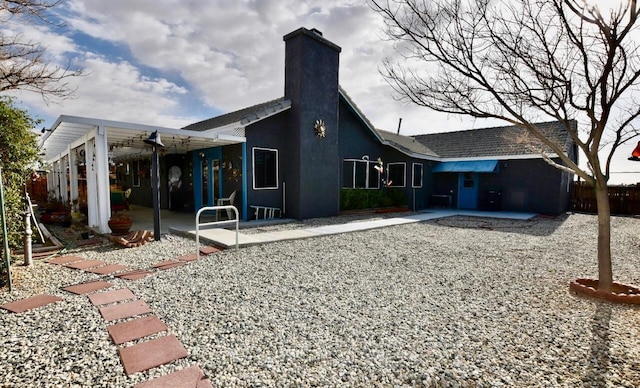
(320, 128)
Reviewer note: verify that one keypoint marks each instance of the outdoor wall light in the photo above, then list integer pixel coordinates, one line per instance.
(635, 155)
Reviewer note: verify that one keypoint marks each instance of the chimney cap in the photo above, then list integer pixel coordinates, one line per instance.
(314, 34)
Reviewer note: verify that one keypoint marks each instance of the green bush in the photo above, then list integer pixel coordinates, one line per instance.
(18, 156)
(353, 199)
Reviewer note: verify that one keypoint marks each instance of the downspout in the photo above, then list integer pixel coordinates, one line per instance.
(245, 185)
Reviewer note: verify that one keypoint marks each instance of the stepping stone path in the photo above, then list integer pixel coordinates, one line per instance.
(30, 303)
(122, 304)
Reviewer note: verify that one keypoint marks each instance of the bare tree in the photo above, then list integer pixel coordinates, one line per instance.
(23, 64)
(521, 61)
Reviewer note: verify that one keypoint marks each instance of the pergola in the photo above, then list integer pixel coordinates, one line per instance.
(105, 140)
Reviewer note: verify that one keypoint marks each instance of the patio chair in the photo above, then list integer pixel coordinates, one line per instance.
(227, 201)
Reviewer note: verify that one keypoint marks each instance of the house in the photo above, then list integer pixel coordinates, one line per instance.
(299, 156)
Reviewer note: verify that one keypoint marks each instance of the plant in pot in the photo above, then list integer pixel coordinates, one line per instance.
(119, 223)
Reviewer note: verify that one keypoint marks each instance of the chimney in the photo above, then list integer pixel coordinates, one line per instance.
(312, 173)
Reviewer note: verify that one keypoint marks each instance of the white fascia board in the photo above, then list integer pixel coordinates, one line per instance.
(231, 138)
(111, 123)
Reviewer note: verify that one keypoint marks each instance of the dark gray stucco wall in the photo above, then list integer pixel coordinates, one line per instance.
(313, 163)
(269, 133)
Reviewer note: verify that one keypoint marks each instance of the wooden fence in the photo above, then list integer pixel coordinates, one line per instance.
(622, 199)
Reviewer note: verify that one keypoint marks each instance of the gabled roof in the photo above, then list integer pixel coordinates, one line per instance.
(404, 144)
(242, 117)
(494, 142)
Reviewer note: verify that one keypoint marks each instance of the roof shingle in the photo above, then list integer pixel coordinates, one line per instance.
(496, 141)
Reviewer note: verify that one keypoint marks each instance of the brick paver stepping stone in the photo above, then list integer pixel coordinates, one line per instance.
(135, 275)
(124, 310)
(168, 264)
(136, 329)
(189, 257)
(111, 296)
(188, 377)
(147, 355)
(107, 269)
(30, 303)
(85, 264)
(64, 260)
(207, 250)
(86, 288)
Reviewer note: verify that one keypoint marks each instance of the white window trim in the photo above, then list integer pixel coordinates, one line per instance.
(367, 176)
(253, 165)
(413, 174)
(404, 164)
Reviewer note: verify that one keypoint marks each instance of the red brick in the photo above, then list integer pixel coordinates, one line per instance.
(150, 354)
(136, 329)
(189, 257)
(64, 260)
(86, 288)
(107, 269)
(30, 303)
(172, 265)
(135, 275)
(207, 250)
(188, 378)
(85, 264)
(124, 310)
(111, 296)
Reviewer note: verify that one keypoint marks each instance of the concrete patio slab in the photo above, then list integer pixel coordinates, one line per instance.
(150, 354)
(136, 329)
(31, 303)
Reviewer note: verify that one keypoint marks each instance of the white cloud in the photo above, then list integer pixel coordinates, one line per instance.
(229, 54)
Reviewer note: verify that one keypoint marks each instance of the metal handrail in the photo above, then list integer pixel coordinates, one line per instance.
(216, 208)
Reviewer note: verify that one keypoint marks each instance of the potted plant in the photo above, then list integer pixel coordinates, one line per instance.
(119, 223)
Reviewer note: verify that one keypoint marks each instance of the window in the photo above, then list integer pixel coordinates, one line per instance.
(265, 168)
(396, 173)
(417, 175)
(360, 174)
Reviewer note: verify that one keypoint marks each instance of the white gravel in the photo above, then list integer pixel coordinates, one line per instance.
(448, 303)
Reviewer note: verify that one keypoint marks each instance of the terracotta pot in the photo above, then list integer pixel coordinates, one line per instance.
(620, 293)
(119, 227)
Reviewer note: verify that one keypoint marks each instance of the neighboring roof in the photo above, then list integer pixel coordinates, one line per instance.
(494, 142)
(242, 117)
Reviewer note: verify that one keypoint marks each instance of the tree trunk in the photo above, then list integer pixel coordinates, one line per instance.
(605, 274)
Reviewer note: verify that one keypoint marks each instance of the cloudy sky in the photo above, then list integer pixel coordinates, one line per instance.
(174, 62)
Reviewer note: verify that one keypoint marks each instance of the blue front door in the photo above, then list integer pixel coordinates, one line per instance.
(467, 190)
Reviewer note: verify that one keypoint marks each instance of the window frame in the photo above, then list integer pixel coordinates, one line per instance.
(404, 174)
(253, 166)
(369, 167)
(413, 175)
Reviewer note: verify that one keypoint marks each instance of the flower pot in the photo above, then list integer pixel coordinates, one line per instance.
(119, 227)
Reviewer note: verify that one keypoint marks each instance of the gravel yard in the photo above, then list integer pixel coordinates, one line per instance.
(446, 303)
